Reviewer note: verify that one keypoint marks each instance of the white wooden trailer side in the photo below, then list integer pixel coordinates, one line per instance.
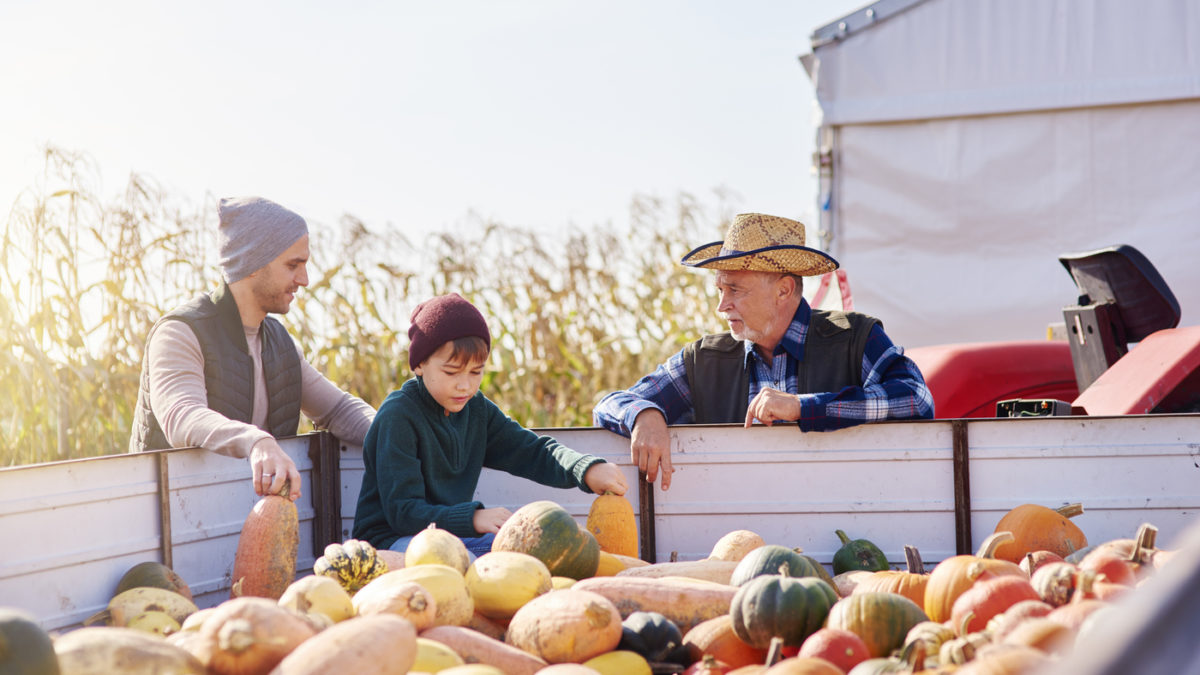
(70, 529)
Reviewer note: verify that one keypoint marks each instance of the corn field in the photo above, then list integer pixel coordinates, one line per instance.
(83, 277)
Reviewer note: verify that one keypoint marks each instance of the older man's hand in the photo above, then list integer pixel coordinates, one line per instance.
(771, 405)
(650, 446)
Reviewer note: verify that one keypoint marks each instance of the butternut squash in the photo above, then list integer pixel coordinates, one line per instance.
(380, 644)
(684, 601)
(719, 571)
(249, 636)
(475, 647)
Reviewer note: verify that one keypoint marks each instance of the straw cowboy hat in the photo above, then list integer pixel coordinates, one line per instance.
(762, 243)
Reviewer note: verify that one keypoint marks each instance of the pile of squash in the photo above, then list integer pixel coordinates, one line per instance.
(555, 597)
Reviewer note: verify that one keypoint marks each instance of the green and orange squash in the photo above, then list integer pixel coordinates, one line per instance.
(546, 531)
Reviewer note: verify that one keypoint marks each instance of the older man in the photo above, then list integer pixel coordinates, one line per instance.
(221, 374)
(781, 360)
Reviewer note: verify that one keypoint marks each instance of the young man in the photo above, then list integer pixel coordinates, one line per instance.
(221, 374)
(780, 360)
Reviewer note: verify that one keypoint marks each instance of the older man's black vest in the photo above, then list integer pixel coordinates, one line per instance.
(229, 370)
(719, 378)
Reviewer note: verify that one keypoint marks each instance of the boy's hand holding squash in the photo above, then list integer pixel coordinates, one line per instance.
(605, 477)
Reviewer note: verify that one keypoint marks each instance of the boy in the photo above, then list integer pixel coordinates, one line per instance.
(430, 439)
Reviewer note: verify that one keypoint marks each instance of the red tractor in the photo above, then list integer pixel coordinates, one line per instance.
(1122, 301)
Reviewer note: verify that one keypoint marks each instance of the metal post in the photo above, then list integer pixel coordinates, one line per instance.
(324, 451)
(647, 542)
(166, 546)
(962, 489)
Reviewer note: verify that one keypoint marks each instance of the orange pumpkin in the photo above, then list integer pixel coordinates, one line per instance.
(610, 519)
(956, 574)
(988, 597)
(910, 583)
(1040, 528)
(716, 637)
(265, 562)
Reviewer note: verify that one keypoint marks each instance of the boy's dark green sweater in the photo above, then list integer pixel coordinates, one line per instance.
(422, 466)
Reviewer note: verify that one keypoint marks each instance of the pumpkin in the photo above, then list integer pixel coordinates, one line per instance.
(960, 650)
(249, 636)
(501, 582)
(381, 644)
(779, 605)
(154, 575)
(767, 559)
(546, 531)
(717, 638)
(858, 554)
(265, 562)
(566, 626)
(475, 647)
(882, 620)
(846, 582)
(1055, 583)
(909, 583)
(736, 545)
(840, 647)
(1040, 528)
(804, 665)
(1041, 633)
(103, 651)
(684, 601)
(988, 597)
(1034, 561)
(707, 665)
(318, 594)
(931, 635)
(1003, 624)
(397, 594)
(352, 563)
(956, 574)
(611, 520)
(619, 662)
(1005, 659)
(451, 599)
(652, 635)
(1114, 567)
(434, 546)
(25, 649)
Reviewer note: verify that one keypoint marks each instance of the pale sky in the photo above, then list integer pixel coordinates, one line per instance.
(538, 114)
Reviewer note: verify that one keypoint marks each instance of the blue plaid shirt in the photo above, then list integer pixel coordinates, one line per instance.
(892, 386)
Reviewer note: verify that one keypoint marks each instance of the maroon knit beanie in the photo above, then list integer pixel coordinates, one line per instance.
(440, 320)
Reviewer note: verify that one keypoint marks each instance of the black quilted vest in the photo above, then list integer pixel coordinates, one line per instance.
(719, 377)
(229, 370)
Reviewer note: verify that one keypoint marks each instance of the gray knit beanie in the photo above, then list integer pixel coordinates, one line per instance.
(254, 231)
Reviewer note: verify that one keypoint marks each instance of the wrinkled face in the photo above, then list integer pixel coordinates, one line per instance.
(751, 303)
(451, 383)
(275, 285)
